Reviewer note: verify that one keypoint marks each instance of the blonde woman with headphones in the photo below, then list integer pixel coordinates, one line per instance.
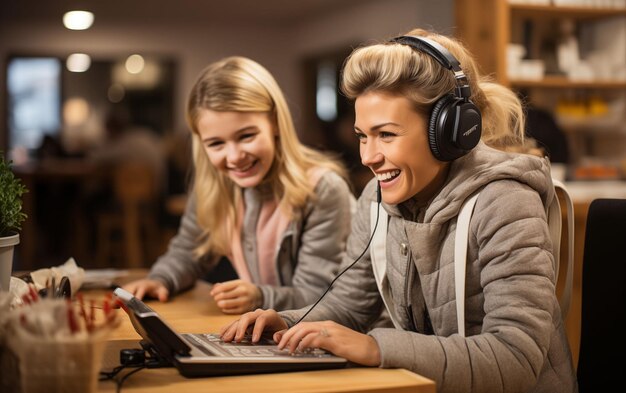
(427, 124)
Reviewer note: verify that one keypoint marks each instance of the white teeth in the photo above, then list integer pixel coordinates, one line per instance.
(387, 175)
(243, 169)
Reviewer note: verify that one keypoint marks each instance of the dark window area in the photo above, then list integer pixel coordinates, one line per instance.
(329, 114)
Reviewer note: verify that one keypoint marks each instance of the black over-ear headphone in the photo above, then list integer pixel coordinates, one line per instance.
(455, 122)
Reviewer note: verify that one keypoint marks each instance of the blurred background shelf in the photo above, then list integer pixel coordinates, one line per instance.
(561, 82)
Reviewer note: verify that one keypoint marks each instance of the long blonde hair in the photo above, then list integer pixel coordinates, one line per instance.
(399, 69)
(241, 85)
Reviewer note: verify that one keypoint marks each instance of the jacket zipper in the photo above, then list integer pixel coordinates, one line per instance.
(407, 280)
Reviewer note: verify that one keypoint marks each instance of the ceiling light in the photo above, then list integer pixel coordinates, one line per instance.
(78, 20)
(78, 62)
(134, 64)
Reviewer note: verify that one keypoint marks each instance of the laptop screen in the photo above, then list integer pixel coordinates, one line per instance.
(152, 328)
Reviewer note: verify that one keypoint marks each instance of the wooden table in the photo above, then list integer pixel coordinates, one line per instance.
(194, 312)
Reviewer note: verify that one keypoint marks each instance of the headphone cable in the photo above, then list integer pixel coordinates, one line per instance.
(378, 200)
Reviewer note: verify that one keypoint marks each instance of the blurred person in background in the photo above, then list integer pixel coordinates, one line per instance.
(128, 142)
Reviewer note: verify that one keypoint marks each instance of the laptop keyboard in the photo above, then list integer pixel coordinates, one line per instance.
(209, 344)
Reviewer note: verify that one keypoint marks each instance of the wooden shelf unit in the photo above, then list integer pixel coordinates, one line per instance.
(485, 26)
(579, 13)
(561, 82)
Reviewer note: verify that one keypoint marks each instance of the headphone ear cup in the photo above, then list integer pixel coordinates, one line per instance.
(454, 128)
(436, 133)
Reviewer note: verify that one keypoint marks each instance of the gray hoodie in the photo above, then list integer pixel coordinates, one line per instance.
(310, 251)
(515, 336)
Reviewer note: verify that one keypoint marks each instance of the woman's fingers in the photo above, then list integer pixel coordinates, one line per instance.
(224, 330)
(259, 327)
(309, 335)
(293, 337)
(230, 331)
(315, 339)
(340, 340)
(255, 323)
(246, 320)
(278, 335)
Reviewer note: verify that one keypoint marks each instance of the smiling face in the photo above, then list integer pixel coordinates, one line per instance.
(394, 145)
(241, 145)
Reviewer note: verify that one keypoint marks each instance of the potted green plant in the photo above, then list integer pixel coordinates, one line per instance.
(11, 219)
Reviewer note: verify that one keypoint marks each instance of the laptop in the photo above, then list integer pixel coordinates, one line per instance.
(200, 355)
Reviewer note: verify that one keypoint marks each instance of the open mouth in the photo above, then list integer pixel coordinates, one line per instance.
(388, 176)
(244, 168)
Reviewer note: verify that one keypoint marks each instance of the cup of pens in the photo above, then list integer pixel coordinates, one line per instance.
(58, 344)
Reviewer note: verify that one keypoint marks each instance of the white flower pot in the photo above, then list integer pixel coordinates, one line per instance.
(7, 245)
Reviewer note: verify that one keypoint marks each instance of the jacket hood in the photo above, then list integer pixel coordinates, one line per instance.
(476, 169)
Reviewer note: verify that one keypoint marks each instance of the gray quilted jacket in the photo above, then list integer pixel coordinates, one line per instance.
(310, 248)
(515, 336)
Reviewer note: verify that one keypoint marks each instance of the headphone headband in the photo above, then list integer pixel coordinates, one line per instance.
(432, 48)
(442, 56)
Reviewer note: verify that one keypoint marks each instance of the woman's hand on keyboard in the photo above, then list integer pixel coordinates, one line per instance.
(333, 337)
(256, 322)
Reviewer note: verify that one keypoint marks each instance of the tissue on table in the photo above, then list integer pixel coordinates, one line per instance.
(69, 269)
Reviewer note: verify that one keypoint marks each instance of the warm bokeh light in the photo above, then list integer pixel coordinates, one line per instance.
(78, 62)
(134, 64)
(149, 77)
(78, 20)
(75, 111)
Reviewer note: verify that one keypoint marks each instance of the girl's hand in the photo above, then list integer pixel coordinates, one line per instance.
(153, 288)
(340, 340)
(255, 322)
(237, 296)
